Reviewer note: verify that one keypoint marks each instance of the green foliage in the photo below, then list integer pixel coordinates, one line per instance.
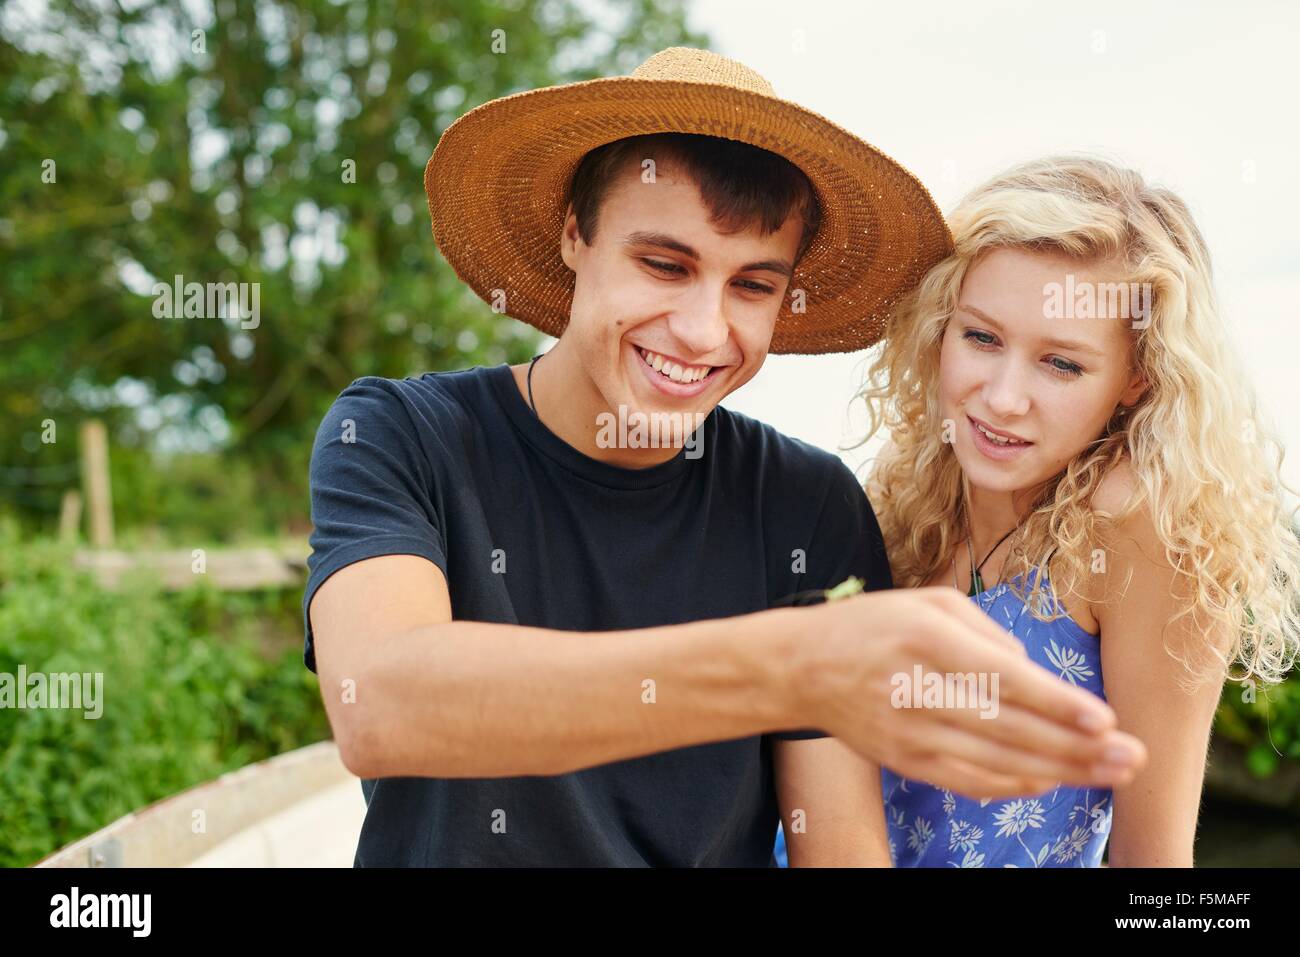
(195, 684)
(1268, 727)
(201, 499)
(221, 156)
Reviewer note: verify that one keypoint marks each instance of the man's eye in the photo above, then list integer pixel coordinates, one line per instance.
(661, 266)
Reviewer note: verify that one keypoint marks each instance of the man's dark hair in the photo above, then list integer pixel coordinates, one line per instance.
(742, 185)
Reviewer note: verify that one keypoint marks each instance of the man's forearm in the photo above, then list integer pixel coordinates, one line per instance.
(471, 699)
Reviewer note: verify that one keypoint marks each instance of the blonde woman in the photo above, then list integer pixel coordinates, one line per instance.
(1073, 445)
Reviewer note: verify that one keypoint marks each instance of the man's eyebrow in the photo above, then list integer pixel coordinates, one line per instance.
(1058, 343)
(664, 241)
(779, 266)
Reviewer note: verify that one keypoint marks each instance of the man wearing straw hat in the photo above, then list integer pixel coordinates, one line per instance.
(547, 636)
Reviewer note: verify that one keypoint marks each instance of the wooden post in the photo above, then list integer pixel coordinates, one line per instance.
(69, 516)
(94, 477)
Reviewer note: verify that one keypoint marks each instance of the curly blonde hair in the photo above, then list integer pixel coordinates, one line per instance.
(1197, 449)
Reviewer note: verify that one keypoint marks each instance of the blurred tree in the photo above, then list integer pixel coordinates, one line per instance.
(144, 140)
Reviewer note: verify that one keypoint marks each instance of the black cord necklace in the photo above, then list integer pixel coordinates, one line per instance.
(977, 582)
(530, 384)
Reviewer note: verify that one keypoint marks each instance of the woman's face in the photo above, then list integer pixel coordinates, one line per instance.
(1025, 358)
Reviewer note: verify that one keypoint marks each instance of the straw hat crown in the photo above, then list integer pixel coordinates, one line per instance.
(702, 66)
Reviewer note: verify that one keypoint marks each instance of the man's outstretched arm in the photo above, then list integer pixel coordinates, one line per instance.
(410, 692)
(444, 698)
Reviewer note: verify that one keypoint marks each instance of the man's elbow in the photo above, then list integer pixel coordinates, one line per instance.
(357, 738)
(360, 748)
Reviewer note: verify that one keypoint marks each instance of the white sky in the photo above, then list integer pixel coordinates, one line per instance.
(1199, 96)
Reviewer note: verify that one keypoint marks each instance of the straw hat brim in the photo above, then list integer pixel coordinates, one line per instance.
(498, 185)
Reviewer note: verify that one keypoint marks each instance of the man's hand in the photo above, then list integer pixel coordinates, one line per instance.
(1045, 731)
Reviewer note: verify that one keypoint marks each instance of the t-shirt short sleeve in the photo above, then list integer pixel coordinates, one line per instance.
(371, 488)
(846, 541)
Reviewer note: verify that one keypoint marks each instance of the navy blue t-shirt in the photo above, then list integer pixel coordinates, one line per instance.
(456, 468)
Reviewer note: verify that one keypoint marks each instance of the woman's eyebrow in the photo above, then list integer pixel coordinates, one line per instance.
(980, 314)
(1068, 344)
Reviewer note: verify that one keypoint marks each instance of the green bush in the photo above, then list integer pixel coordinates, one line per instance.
(204, 498)
(1268, 727)
(196, 683)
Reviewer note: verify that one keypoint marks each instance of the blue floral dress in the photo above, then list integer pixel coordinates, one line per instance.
(1065, 827)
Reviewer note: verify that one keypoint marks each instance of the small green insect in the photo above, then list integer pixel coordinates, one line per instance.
(845, 589)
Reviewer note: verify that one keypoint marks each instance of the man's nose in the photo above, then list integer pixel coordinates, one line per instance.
(700, 324)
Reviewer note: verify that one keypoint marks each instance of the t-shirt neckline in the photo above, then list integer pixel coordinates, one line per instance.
(535, 432)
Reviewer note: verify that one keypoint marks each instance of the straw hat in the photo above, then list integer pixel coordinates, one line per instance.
(498, 185)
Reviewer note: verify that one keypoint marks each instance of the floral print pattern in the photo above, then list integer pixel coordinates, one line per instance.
(1067, 827)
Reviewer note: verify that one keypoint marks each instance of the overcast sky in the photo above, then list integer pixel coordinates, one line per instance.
(1197, 96)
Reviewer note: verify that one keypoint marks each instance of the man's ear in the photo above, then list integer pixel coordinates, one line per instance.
(569, 238)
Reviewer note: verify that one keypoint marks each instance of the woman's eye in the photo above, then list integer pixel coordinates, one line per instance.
(1065, 368)
(1058, 366)
(661, 266)
(759, 287)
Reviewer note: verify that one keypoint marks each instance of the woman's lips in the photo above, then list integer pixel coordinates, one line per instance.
(993, 450)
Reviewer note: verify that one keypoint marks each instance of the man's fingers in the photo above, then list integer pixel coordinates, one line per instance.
(959, 607)
(1019, 681)
(1013, 760)
(1026, 685)
(945, 771)
(1027, 732)
(1012, 700)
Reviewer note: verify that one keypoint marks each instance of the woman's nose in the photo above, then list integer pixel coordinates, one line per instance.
(1005, 393)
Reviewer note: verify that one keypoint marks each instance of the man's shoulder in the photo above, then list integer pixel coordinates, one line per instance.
(434, 409)
(461, 386)
(429, 399)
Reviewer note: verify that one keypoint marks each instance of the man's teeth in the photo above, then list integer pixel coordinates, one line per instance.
(998, 439)
(672, 370)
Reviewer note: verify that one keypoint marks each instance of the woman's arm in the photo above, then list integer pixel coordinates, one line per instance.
(831, 806)
(1154, 817)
